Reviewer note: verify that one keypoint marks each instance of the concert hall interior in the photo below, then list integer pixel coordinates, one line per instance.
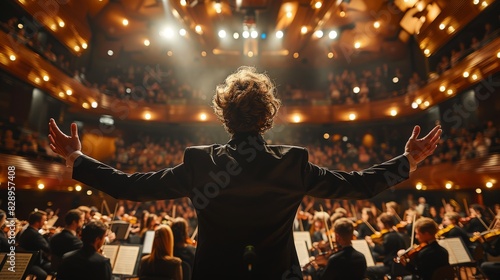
(354, 77)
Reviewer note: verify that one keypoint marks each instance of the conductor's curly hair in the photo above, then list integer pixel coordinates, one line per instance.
(246, 101)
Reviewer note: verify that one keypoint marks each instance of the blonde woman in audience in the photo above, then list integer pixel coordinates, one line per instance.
(161, 262)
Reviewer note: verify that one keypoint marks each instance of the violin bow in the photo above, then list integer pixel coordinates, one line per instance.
(467, 208)
(327, 229)
(412, 231)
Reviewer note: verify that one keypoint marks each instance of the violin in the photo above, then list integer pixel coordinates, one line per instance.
(486, 236)
(378, 237)
(409, 254)
(445, 230)
(321, 258)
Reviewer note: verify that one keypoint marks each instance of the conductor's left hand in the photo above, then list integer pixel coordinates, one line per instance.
(61, 143)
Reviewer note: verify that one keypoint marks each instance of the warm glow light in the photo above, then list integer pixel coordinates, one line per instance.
(419, 101)
(498, 54)
(489, 185)
(427, 52)
(183, 3)
(61, 94)
(318, 33)
(250, 54)
(254, 34)
(279, 35)
(442, 88)
(77, 48)
(110, 52)
(41, 186)
(418, 186)
(376, 24)
(203, 116)
(475, 2)
(465, 74)
(84, 46)
(12, 57)
(46, 78)
(333, 34)
(236, 35)
(427, 103)
(296, 118)
(125, 22)
(85, 105)
(395, 80)
(442, 26)
(70, 188)
(182, 32)
(357, 45)
(61, 23)
(342, 14)
(203, 53)
(414, 105)
(147, 42)
(167, 33)
(198, 29)
(478, 191)
(218, 7)
(94, 104)
(69, 92)
(20, 26)
(245, 34)
(303, 30)
(78, 188)
(326, 136)
(89, 192)
(289, 14)
(484, 4)
(451, 29)
(296, 55)
(37, 80)
(394, 112)
(352, 116)
(170, 53)
(356, 89)
(318, 4)
(448, 185)
(147, 116)
(222, 33)
(449, 91)
(474, 77)
(330, 55)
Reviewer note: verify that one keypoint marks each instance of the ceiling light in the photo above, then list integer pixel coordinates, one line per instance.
(236, 35)
(357, 45)
(245, 34)
(303, 29)
(85, 105)
(289, 14)
(478, 191)
(218, 7)
(89, 192)
(170, 53)
(77, 48)
(414, 105)
(254, 34)
(198, 29)
(489, 185)
(475, 2)
(498, 54)
(110, 52)
(222, 33)
(279, 35)
(376, 24)
(427, 52)
(395, 80)
(342, 14)
(147, 116)
(147, 42)
(448, 185)
(12, 57)
(61, 94)
(330, 55)
(296, 55)
(451, 29)
(442, 88)
(442, 26)
(326, 136)
(78, 188)
(46, 78)
(449, 91)
(419, 101)
(356, 89)
(167, 33)
(41, 186)
(69, 92)
(394, 112)
(484, 4)
(61, 23)
(203, 117)
(203, 53)
(182, 32)
(352, 116)
(474, 77)
(465, 74)
(418, 186)
(94, 104)
(296, 118)
(84, 46)
(125, 22)
(333, 34)
(318, 33)
(37, 80)
(427, 103)
(183, 3)
(20, 26)
(318, 4)
(250, 54)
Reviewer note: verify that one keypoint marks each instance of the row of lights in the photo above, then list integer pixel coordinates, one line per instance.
(77, 188)
(449, 185)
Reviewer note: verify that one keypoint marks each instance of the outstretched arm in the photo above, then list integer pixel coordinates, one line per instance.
(69, 147)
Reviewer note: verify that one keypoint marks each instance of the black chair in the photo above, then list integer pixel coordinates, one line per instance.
(186, 271)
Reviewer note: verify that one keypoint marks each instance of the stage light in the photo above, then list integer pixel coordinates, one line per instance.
(147, 42)
(352, 116)
(245, 34)
(222, 33)
(279, 35)
(303, 30)
(125, 22)
(182, 32)
(110, 52)
(254, 34)
(12, 57)
(318, 33)
(333, 34)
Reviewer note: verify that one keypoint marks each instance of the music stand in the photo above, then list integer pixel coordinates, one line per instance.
(121, 229)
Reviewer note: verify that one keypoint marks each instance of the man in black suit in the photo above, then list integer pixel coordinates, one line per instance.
(347, 263)
(86, 262)
(66, 240)
(244, 186)
(430, 257)
(31, 240)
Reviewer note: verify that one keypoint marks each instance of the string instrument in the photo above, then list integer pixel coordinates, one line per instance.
(378, 237)
(409, 254)
(486, 236)
(443, 231)
(322, 257)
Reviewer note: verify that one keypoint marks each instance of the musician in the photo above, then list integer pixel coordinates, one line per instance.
(183, 245)
(86, 262)
(66, 240)
(225, 181)
(478, 221)
(390, 244)
(492, 247)
(430, 255)
(346, 263)
(391, 208)
(451, 228)
(368, 224)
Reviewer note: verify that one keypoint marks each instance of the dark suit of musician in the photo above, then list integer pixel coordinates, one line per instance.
(31, 240)
(248, 186)
(427, 261)
(346, 264)
(61, 243)
(83, 264)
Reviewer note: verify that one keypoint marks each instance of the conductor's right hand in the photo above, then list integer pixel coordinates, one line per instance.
(61, 143)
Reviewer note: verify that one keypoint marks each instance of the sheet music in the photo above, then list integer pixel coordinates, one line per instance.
(456, 250)
(17, 273)
(362, 246)
(148, 242)
(302, 252)
(110, 251)
(302, 236)
(126, 260)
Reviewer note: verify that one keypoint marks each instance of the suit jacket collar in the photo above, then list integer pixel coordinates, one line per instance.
(251, 137)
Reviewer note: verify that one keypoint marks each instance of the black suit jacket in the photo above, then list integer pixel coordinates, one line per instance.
(31, 240)
(60, 244)
(391, 244)
(427, 261)
(347, 264)
(83, 264)
(247, 187)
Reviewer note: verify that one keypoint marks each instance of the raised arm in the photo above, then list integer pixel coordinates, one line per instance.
(69, 147)
(418, 149)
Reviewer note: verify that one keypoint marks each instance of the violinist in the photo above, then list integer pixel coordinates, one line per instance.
(183, 245)
(492, 246)
(477, 221)
(451, 228)
(368, 224)
(428, 256)
(390, 243)
(345, 262)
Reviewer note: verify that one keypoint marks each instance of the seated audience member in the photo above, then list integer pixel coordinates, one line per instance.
(31, 240)
(431, 256)
(161, 262)
(67, 240)
(346, 263)
(86, 262)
